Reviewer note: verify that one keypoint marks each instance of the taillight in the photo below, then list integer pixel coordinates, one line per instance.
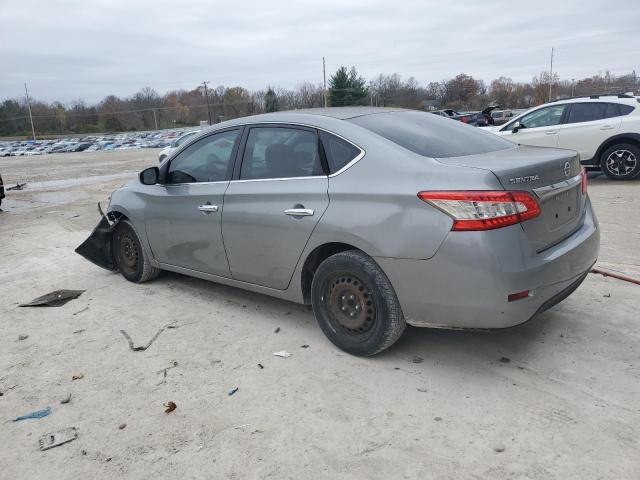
(583, 174)
(483, 210)
(464, 119)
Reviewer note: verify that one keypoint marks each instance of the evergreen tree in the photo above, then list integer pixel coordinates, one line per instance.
(270, 101)
(347, 88)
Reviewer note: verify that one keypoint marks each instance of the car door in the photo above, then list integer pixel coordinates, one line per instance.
(183, 215)
(539, 128)
(587, 126)
(278, 194)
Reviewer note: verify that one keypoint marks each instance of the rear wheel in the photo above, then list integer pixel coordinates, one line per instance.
(355, 304)
(621, 161)
(131, 259)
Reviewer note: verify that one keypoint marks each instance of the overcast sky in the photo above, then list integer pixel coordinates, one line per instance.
(88, 49)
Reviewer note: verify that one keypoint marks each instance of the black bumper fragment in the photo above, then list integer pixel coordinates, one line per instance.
(97, 248)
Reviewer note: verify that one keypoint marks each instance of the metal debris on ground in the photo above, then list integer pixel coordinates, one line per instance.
(77, 376)
(122, 426)
(282, 354)
(55, 439)
(54, 299)
(417, 359)
(618, 276)
(79, 331)
(304, 346)
(276, 330)
(260, 366)
(607, 295)
(80, 311)
(141, 348)
(66, 399)
(37, 414)
(505, 359)
(18, 186)
(171, 406)
(23, 337)
(233, 390)
(499, 449)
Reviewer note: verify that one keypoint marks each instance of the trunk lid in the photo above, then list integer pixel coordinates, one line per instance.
(551, 175)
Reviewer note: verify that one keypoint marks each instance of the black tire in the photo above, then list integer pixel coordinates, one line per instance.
(130, 257)
(355, 304)
(621, 161)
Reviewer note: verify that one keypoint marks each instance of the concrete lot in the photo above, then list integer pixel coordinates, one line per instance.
(556, 398)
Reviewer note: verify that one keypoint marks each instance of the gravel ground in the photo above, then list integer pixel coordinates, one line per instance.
(556, 398)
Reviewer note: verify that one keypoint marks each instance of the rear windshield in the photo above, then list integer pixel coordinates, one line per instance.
(431, 135)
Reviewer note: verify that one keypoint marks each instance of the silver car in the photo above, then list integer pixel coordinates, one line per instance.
(378, 218)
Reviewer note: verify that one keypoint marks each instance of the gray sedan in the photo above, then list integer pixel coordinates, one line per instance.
(375, 217)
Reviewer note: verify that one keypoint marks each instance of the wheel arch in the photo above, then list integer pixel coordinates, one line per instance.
(313, 261)
(633, 138)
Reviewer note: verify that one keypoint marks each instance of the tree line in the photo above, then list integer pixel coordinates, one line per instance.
(148, 110)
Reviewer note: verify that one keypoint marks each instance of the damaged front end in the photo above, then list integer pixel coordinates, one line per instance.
(98, 247)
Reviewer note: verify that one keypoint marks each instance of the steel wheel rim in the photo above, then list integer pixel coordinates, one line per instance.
(128, 253)
(349, 304)
(621, 162)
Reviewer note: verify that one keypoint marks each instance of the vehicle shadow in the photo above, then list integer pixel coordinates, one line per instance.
(464, 348)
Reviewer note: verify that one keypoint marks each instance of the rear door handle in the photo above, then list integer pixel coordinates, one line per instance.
(551, 132)
(208, 208)
(299, 212)
(606, 127)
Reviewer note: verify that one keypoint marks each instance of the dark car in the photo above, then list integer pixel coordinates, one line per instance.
(477, 119)
(1, 189)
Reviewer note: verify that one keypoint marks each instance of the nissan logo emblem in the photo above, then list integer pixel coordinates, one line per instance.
(567, 169)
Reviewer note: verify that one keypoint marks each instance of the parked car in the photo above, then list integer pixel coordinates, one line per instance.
(167, 151)
(477, 119)
(375, 217)
(603, 129)
(500, 117)
(1, 189)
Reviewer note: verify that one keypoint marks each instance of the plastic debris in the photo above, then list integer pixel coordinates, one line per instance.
(233, 390)
(18, 186)
(79, 331)
(141, 348)
(122, 426)
(171, 406)
(304, 346)
(80, 311)
(66, 399)
(417, 359)
(276, 330)
(37, 414)
(260, 366)
(505, 360)
(55, 439)
(54, 299)
(23, 337)
(77, 376)
(282, 354)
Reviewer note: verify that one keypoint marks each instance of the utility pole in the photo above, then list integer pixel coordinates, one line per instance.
(324, 80)
(551, 74)
(33, 130)
(155, 120)
(206, 94)
(572, 82)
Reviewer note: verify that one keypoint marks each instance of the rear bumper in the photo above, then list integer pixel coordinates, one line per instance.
(466, 283)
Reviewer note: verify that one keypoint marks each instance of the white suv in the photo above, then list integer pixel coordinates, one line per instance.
(603, 129)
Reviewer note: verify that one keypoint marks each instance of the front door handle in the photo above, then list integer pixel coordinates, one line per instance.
(208, 208)
(299, 212)
(551, 132)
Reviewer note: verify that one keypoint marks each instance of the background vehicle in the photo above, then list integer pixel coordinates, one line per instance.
(376, 217)
(501, 117)
(477, 119)
(165, 152)
(1, 189)
(603, 129)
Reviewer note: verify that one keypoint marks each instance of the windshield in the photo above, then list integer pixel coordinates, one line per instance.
(430, 135)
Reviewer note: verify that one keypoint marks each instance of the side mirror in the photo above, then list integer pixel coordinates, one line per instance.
(517, 127)
(150, 176)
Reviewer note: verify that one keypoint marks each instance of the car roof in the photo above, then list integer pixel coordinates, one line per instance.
(598, 98)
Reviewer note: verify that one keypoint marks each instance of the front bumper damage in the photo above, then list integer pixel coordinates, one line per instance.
(98, 247)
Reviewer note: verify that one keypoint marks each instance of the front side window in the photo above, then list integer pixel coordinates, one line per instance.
(543, 117)
(586, 112)
(339, 152)
(280, 152)
(207, 160)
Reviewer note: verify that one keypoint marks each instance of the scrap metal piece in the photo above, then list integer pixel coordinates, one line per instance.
(37, 414)
(54, 299)
(55, 439)
(143, 347)
(97, 248)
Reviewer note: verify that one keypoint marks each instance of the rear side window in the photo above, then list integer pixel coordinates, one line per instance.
(625, 109)
(431, 136)
(274, 152)
(586, 112)
(339, 152)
